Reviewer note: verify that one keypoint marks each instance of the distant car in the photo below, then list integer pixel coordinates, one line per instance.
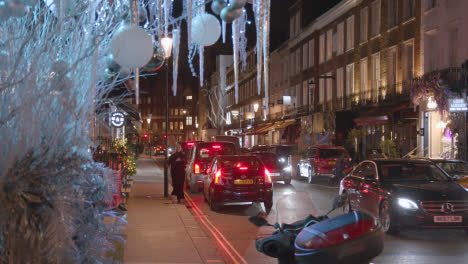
(160, 150)
(284, 153)
(223, 138)
(258, 148)
(200, 158)
(234, 179)
(187, 146)
(406, 193)
(320, 161)
(278, 171)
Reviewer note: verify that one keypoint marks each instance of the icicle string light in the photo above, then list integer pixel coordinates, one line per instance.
(242, 21)
(175, 56)
(235, 46)
(266, 54)
(223, 23)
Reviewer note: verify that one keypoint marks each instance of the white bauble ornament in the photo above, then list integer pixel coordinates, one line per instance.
(236, 4)
(217, 6)
(206, 29)
(228, 14)
(131, 46)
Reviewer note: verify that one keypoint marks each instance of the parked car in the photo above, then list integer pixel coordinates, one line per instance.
(320, 161)
(406, 193)
(236, 178)
(223, 138)
(199, 159)
(278, 171)
(186, 146)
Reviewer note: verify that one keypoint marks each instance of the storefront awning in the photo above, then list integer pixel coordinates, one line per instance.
(378, 116)
(264, 128)
(283, 124)
(372, 120)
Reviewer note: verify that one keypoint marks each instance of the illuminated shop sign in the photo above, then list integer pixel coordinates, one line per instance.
(117, 119)
(458, 105)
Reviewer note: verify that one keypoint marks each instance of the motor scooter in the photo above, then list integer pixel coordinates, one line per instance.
(353, 238)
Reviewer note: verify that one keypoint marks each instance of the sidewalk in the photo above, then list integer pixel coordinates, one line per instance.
(161, 231)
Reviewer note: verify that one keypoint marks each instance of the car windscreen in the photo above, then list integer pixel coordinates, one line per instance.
(410, 171)
(331, 153)
(454, 168)
(269, 159)
(248, 162)
(283, 150)
(206, 152)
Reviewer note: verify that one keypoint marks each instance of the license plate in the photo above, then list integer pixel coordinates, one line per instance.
(248, 181)
(331, 162)
(447, 219)
(275, 174)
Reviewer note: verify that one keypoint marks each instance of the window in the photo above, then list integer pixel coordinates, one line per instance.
(298, 95)
(149, 100)
(155, 125)
(305, 56)
(298, 60)
(171, 111)
(181, 125)
(339, 83)
(291, 57)
(430, 4)
(188, 120)
(363, 79)
(392, 68)
(364, 23)
(430, 44)
(163, 125)
(171, 125)
(329, 44)
(329, 82)
(392, 13)
(375, 73)
(350, 79)
(408, 9)
(298, 23)
(375, 18)
(340, 32)
(311, 53)
(188, 97)
(321, 48)
(350, 33)
(321, 90)
(305, 93)
(407, 64)
(453, 40)
(176, 111)
(196, 119)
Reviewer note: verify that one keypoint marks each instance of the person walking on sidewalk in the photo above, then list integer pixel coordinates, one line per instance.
(177, 162)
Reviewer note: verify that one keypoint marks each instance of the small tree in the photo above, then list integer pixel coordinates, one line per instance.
(388, 148)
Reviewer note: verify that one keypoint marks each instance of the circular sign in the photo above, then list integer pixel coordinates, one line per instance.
(117, 119)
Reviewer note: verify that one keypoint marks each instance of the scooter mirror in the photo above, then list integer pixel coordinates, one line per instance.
(338, 202)
(258, 221)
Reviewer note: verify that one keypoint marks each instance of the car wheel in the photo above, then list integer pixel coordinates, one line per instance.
(385, 215)
(287, 181)
(213, 205)
(268, 206)
(310, 175)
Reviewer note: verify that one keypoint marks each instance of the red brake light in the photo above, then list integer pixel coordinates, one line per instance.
(218, 176)
(243, 168)
(267, 176)
(216, 146)
(190, 144)
(196, 168)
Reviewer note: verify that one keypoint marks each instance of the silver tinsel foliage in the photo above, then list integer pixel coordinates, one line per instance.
(53, 198)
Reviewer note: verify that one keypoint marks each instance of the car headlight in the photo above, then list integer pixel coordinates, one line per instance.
(407, 204)
(288, 168)
(282, 160)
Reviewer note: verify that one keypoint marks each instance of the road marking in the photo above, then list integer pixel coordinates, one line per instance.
(214, 230)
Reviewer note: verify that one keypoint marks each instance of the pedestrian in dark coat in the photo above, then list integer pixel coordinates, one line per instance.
(339, 170)
(177, 162)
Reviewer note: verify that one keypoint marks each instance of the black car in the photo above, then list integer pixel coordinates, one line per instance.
(278, 171)
(235, 179)
(406, 193)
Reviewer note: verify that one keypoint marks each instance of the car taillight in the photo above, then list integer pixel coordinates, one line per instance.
(190, 144)
(216, 146)
(218, 177)
(267, 176)
(243, 168)
(196, 168)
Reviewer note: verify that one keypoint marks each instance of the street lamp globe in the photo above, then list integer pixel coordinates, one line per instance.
(148, 120)
(166, 44)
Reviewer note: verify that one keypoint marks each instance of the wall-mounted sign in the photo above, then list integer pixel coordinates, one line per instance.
(117, 119)
(286, 99)
(249, 115)
(458, 105)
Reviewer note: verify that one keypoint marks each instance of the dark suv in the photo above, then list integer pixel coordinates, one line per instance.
(235, 179)
(320, 161)
(200, 158)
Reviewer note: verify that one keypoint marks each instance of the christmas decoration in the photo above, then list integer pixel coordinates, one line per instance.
(206, 29)
(217, 6)
(131, 46)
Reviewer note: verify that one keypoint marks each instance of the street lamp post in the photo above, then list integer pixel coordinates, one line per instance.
(149, 135)
(166, 43)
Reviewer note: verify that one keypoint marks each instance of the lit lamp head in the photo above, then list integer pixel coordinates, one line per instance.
(431, 104)
(255, 107)
(148, 120)
(184, 112)
(166, 43)
(196, 125)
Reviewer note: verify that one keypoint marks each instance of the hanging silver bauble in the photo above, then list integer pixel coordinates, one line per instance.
(236, 4)
(217, 6)
(228, 14)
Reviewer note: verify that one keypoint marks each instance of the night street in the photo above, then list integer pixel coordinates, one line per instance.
(411, 246)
